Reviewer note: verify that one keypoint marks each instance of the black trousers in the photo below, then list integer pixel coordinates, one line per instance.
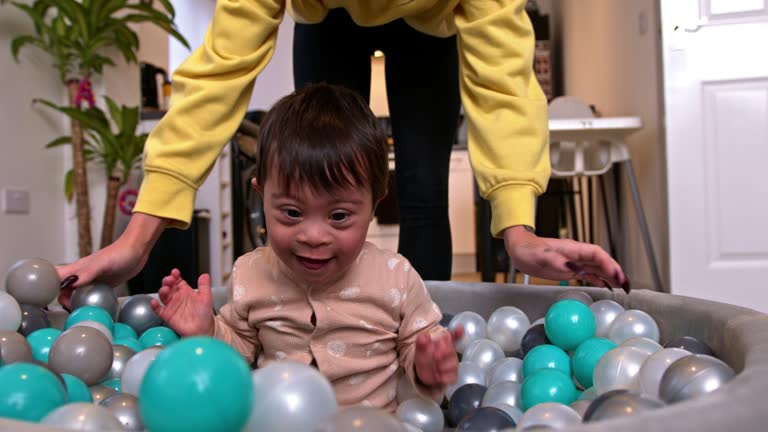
(423, 95)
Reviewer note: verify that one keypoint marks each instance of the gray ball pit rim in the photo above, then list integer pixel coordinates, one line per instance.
(739, 337)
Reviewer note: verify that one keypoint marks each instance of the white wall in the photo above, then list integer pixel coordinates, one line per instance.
(25, 163)
(611, 59)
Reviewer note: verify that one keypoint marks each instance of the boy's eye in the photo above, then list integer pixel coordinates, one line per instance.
(292, 213)
(339, 216)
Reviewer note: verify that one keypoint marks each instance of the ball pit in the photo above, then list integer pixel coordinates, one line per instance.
(738, 336)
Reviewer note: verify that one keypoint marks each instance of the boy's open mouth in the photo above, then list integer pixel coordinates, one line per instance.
(313, 264)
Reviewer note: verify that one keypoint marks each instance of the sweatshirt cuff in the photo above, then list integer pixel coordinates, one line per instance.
(512, 205)
(166, 196)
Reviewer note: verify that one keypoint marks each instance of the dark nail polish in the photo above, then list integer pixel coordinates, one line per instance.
(68, 281)
(625, 286)
(574, 267)
(607, 285)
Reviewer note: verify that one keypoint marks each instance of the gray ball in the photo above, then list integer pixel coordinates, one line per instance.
(32, 318)
(125, 407)
(101, 392)
(33, 281)
(83, 352)
(138, 314)
(121, 355)
(99, 295)
(692, 376)
(619, 403)
(14, 347)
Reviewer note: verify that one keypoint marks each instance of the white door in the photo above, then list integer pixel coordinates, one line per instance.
(716, 102)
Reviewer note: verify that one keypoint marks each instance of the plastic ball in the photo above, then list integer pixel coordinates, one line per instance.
(619, 403)
(633, 323)
(468, 373)
(486, 419)
(137, 313)
(160, 335)
(547, 385)
(535, 335)
(83, 352)
(14, 347)
(122, 331)
(131, 343)
(82, 416)
(57, 317)
(90, 313)
(446, 319)
(618, 369)
(422, 413)
(506, 369)
(506, 327)
(580, 296)
(569, 323)
(474, 326)
(550, 414)
(580, 406)
(32, 318)
(98, 295)
(95, 325)
(10, 312)
(289, 396)
(359, 418)
(692, 376)
(691, 344)
(32, 281)
(201, 373)
(40, 341)
(464, 401)
(120, 356)
(113, 383)
(77, 391)
(125, 408)
(605, 312)
(643, 343)
(506, 392)
(649, 376)
(135, 369)
(588, 394)
(483, 352)
(546, 357)
(100, 392)
(586, 357)
(515, 413)
(29, 392)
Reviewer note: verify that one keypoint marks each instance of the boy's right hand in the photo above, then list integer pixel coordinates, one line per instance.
(187, 312)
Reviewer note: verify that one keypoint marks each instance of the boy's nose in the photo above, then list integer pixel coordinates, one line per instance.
(314, 234)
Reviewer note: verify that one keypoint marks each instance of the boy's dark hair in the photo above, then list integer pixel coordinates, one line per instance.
(325, 136)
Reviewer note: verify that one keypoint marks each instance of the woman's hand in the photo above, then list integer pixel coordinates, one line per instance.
(117, 262)
(560, 259)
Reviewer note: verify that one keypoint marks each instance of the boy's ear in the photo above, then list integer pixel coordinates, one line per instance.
(376, 205)
(255, 184)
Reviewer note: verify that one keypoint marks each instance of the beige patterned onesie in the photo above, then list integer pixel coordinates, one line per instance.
(366, 321)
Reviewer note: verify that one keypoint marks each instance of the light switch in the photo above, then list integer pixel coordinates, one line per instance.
(15, 201)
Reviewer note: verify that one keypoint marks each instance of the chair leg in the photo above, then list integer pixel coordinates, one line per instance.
(643, 226)
(608, 215)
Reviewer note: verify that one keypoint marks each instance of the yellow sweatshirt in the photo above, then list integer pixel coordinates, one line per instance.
(505, 108)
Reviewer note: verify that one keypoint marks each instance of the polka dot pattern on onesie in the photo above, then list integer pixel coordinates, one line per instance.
(349, 293)
(336, 348)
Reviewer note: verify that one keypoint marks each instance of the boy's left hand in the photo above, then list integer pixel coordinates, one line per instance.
(436, 361)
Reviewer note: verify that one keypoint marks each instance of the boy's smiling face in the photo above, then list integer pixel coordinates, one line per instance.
(317, 234)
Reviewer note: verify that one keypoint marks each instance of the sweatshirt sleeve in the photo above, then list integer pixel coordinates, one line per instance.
(419, 314)
(211, 91)
(505, 108)
(231, 324)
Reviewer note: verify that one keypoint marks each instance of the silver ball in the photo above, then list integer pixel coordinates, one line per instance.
(633, 323)
(468, 373)
(422, 413)
(550, 414)
(506, 327)
(580, 296)
(98, 295)
(82, 416)
(474, 328)
(693, 376)
(505, 392)
(125, 408)
(33, 281)
(483, 352)
(605, 312)
(121, 355)
(506, 369)
(620, 404)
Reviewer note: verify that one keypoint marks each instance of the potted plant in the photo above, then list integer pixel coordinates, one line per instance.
(80, 36)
